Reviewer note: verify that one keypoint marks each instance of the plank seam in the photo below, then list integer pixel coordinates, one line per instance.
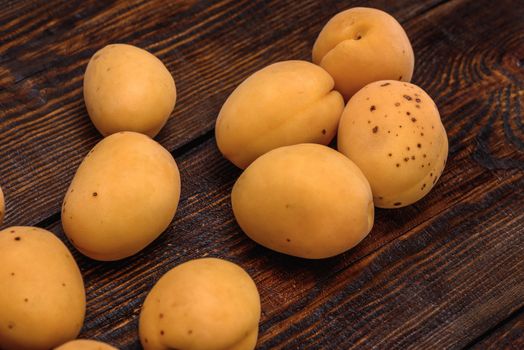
(512, 316)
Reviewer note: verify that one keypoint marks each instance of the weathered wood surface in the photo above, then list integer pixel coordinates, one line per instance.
(447, 272)
(509, 335)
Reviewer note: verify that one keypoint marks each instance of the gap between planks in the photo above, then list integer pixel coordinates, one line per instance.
(519, 312)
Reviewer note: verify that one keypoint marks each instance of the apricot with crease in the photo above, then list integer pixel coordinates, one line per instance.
(362, 45)
(282, 104)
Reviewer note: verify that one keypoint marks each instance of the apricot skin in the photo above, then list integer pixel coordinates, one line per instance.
(362, 45)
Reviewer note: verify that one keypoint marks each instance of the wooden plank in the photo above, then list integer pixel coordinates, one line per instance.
(209, 46)
(509, 335)
(436, 287)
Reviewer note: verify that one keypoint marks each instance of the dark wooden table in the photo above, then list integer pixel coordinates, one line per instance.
(446, 272)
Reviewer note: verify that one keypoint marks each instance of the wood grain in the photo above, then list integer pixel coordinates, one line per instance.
(446, 272)
(508, 335)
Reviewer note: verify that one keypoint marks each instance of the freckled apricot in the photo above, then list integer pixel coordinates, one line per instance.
(41, 293)
(419, 158)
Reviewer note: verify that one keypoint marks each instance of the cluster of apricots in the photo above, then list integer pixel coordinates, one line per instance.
(296, 195)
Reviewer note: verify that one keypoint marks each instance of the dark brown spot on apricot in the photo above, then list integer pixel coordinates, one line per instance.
(398, 165)
(190, 331)
(17, 238)
(161, 332)
(407, 97)
(414, 120)
(372, 108)
(413, 157)
(408, 148)
(417, 106)
(419, 145)
(324, 131)
(161, 316)
(390, 154)
(375, 129)
(95, 194)
(400, 77)
(397, 104)
(385, 84)
(406, 159)
(408, 113)
(288, 240)
(396, 204)
(421, 134)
